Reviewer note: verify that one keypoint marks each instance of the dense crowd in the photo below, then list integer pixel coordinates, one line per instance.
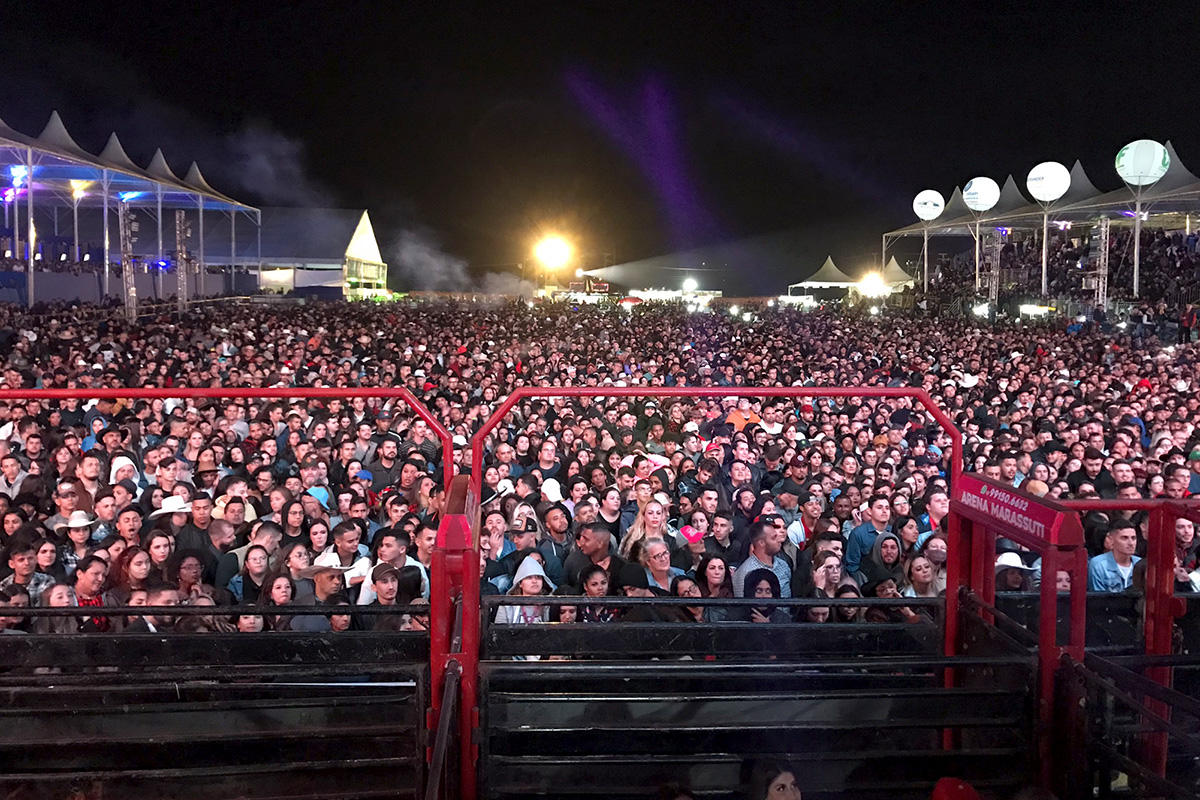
(312, 502)
(1168, 276)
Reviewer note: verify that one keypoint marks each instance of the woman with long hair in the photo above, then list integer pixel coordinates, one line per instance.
(318, 538)
(919, 572)
(772, 780)
(48, 563)
(650, 523)
(293, 521)
(714, 577)
(290, 561)
(277, 498)
(847, 613)
(159, 545)
(279, 592)
(130, 572)
(909, 531)
(683, 586)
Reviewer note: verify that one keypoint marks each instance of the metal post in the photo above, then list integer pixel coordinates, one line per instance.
(104, 197)
(1102, 267)
(260, 263)
(1137, 243)
(200, 269)
(160, 224)
(76, 221)
(1158, 624)
(181, 260)
(126, 227)
(232, 249)
(925, 255)
(977, 255)
(1045, 248)
(32, 233)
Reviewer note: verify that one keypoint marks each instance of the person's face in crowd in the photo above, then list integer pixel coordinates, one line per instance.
(318, 536)
(89, 582)
(935, 550)
(596, 585)
(58, 597)
(235, 513)
(556, 521)
(658, 558)
(921, 571)
(1093, 466)
(889, 551)
(23, 565)
(1062, 581)
(1174, 489)
(139, 568)
(47, 554)
(347, 541)
(1124, 541)
(909, 533)
(426, 540)
(327, 582)
(390, 549)
(654, 515)
(532, 585)
(295, 516)
(881, 512)
(1185, 532)
(66, 498)
(763, 590)
(1011, 579)
(250, 623)
(298, 559)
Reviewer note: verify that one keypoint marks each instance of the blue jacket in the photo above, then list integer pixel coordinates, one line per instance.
(1105, 576)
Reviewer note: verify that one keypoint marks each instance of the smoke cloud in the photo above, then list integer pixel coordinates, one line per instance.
(420, 264)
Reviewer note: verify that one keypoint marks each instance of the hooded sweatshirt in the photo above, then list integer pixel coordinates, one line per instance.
(874, 570)
(525, 614)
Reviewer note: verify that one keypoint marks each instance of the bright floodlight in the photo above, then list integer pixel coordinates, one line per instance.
(553, 252)
(690, 285)
(872, 285)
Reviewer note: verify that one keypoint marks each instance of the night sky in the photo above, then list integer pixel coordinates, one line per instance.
(638, 129)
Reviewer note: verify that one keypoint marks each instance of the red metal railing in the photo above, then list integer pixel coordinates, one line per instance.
(1162, 607)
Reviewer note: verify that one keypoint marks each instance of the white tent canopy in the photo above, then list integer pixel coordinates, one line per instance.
(894, 274)
(827, 277)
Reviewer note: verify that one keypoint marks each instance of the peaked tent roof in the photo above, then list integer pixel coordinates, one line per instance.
(827, 276)
(894, 274)
(159, 168)
(58, 159)
(314, 237)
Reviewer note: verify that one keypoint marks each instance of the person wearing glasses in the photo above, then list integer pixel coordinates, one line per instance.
(656, 558)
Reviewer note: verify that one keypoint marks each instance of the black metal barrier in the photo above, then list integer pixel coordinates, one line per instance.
(862, 709)
(1104, 704)
(212, 716)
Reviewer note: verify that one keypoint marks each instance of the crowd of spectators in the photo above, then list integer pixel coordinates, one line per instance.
(313, 502)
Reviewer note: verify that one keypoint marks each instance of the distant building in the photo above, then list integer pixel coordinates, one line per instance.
(309, 248)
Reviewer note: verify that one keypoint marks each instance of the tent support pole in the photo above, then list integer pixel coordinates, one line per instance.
(200, 271)
(259, 234)
(925, 257)
(977, 254)
(1137, 243)
(883, 255)
(31, 233)
(107, 242)
(232, 248)
(1045, 248)
(160, 223)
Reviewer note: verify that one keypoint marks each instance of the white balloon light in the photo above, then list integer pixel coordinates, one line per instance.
(1048, 181)
(1143, 163)
(929, 205)
(981, 194)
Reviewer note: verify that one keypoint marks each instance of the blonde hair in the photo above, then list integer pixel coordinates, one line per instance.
(637, 531)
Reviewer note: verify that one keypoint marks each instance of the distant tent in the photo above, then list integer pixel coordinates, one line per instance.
(894, 275)
(827, 277)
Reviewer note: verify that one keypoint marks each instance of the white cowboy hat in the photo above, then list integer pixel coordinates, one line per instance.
(172, 504)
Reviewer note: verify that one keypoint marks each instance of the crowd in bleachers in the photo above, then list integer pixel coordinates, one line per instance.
(1168, 275)
(307, 502)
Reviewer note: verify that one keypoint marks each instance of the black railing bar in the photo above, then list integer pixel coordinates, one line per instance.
(932, 665)
(1152, 778)
(209, 611)
(249, 675)
(1175, 699)
(1187, 739)
(735, 602)
(1175, 660)
(1019, 631)
(441, 743)
(184, 772)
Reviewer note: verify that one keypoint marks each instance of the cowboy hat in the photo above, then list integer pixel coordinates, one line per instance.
(172, 504)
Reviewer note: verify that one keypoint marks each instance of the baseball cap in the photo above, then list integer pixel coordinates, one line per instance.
(691, 534)
(382, 570)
